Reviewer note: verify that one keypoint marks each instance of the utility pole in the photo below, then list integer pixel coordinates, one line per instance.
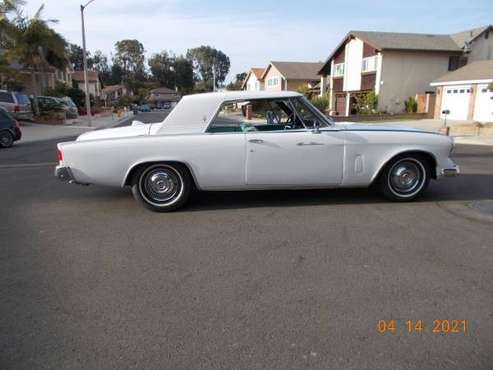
(84, 57)
(213, 78)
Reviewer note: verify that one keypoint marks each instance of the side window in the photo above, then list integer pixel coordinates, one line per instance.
(307, 115)
(6, 97)
(256, 115)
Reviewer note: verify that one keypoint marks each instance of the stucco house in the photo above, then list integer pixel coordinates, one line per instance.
(466, 93)
(43, 80)
(279, 76)
(162, 97)
(396, 65)
(93, 83)
(253, 81)
(110, 94)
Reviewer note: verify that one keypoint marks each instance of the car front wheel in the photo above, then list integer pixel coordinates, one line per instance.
(6, 139)
(405, 178)
(162, 187)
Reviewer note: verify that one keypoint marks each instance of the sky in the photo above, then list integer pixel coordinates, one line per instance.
(253, 33)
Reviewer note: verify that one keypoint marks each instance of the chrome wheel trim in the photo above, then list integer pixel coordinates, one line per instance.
(161, 185)
(406, 177)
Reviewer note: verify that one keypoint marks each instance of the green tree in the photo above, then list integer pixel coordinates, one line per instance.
(37, 46)
(129, 55)
(75, 56)
(162, 67)
(238, 82)
(8, 29)
(100, 64)
(205, 60)
(184, 75)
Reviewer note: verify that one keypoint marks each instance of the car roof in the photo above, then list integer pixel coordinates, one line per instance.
(194, 113)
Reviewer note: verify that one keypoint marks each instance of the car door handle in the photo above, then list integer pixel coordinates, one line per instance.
(310, 143)
(256, 141)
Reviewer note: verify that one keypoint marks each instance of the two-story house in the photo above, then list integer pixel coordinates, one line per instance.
(393, 65)
(396, 65)
(253, 80)
(93, 83)
(281, 76)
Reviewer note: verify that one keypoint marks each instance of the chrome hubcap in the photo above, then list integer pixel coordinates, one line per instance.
(405, 176)
(161, 184)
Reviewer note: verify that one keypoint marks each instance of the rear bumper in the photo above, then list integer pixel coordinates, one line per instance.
(64, 174)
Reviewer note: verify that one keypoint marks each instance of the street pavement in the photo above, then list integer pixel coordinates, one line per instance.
(250, 280)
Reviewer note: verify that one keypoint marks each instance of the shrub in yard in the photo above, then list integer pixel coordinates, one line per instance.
(411, 105)
(321, 102)
(365, 103)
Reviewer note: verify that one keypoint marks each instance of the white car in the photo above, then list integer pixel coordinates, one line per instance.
(253, 141)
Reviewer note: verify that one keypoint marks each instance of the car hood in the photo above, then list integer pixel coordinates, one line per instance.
(350, 126)
(119, 132)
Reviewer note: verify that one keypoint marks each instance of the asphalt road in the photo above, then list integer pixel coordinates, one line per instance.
(274, 280)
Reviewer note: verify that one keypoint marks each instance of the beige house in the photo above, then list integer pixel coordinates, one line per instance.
(93, 83)
(280, 76)
(253, 80)
(163, 97)
(110, 94)
(466, 93)
(395, 66)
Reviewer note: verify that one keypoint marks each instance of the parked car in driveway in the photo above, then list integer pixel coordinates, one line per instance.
(280, 141)
(69, 107)
(10, 130)
(16, 104)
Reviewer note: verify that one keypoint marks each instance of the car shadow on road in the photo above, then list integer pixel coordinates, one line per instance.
(466, 187)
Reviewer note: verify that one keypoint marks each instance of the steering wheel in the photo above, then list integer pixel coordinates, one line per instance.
(273, 118)
(290, 122)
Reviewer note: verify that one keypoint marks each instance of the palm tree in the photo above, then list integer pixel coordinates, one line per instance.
(38, 47)
(7, 27)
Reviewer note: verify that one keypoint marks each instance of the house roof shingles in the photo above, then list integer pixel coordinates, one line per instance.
(407, 41)
(461, 38)
(297, 70)
(480, 70)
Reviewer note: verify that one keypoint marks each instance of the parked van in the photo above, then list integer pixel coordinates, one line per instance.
(17, 104)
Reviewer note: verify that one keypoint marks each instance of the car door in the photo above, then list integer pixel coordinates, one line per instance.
(294, 158)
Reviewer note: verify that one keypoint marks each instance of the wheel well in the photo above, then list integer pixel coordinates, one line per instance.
(134, 169)
(428, 156)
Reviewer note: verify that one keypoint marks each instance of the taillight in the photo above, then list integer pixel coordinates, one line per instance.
(17, 109)
(59, 155)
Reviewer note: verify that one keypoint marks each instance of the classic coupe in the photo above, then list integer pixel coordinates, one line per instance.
(253, 141)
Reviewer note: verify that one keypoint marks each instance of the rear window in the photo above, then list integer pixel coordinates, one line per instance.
(4, 116)
(6, 97)
(22, 99)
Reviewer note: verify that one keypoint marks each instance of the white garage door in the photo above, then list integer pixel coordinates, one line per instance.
(456, 100)
(483, 111)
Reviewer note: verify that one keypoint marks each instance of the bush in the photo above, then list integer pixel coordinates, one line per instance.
(122, 102)
(411, 105)
(321, 102)
(61, 90)
(365, 103)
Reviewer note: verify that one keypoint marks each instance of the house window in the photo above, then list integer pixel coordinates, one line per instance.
(456, 62)
(369, 64)
(257, 86)
(338, 69)
(273, 81)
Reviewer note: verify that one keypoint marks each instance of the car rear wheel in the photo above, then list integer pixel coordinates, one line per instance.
(6, 139)
(162, 187)
(405, 178)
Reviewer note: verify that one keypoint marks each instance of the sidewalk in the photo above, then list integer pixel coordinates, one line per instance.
(32, 131)
(434, 125)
